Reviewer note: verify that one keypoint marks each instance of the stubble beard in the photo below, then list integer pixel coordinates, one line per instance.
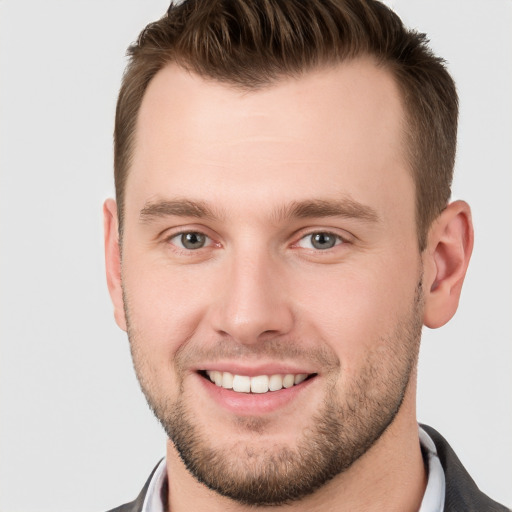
(346, 426)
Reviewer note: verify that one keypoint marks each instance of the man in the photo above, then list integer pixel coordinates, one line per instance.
(282, 231)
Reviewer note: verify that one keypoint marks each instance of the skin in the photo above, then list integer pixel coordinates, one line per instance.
(258, 294)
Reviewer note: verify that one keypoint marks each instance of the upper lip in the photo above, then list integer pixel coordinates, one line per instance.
(251, 370)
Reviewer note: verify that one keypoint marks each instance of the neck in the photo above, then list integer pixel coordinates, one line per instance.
(389, 476)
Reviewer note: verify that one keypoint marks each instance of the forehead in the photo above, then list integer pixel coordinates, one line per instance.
(332, 131)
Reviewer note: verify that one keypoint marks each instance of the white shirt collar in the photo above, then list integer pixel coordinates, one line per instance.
(153, 502)
(433, 499)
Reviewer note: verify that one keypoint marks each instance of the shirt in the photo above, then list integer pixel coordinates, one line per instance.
(433, 499)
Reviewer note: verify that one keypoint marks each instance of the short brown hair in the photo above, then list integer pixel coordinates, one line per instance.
(250, 44)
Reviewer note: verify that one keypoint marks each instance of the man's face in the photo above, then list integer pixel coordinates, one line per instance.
(269, 238)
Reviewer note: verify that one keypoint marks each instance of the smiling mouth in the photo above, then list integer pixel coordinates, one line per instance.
(259, 384)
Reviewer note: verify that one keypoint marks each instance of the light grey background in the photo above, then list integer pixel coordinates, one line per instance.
(75, 432)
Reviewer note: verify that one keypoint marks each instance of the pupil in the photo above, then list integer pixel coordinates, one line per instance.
(192, 240)
(323, 241)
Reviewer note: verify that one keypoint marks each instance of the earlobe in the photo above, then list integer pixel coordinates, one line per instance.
(445, 261)
(113, 260)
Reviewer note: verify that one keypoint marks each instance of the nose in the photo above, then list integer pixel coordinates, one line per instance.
(253, 303)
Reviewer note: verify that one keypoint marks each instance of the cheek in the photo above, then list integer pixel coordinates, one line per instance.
(164, 307)
(355, 309)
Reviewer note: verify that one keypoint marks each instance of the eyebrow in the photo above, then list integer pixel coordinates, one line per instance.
(177, 208)
(315, 208)
(345, 207)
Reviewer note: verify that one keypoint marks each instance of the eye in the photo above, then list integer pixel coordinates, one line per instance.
(190, 240)
(321, 240)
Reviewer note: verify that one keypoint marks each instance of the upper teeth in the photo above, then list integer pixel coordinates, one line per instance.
(259, 384)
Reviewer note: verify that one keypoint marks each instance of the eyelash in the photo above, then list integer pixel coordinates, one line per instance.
(170, 239)
(339, 240)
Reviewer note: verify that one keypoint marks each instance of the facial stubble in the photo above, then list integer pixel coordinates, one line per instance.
(345, 427)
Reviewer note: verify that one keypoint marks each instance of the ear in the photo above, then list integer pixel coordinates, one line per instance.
(445, 260)
(113, 260)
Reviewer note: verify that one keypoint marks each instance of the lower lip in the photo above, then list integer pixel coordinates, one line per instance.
(250, 404)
